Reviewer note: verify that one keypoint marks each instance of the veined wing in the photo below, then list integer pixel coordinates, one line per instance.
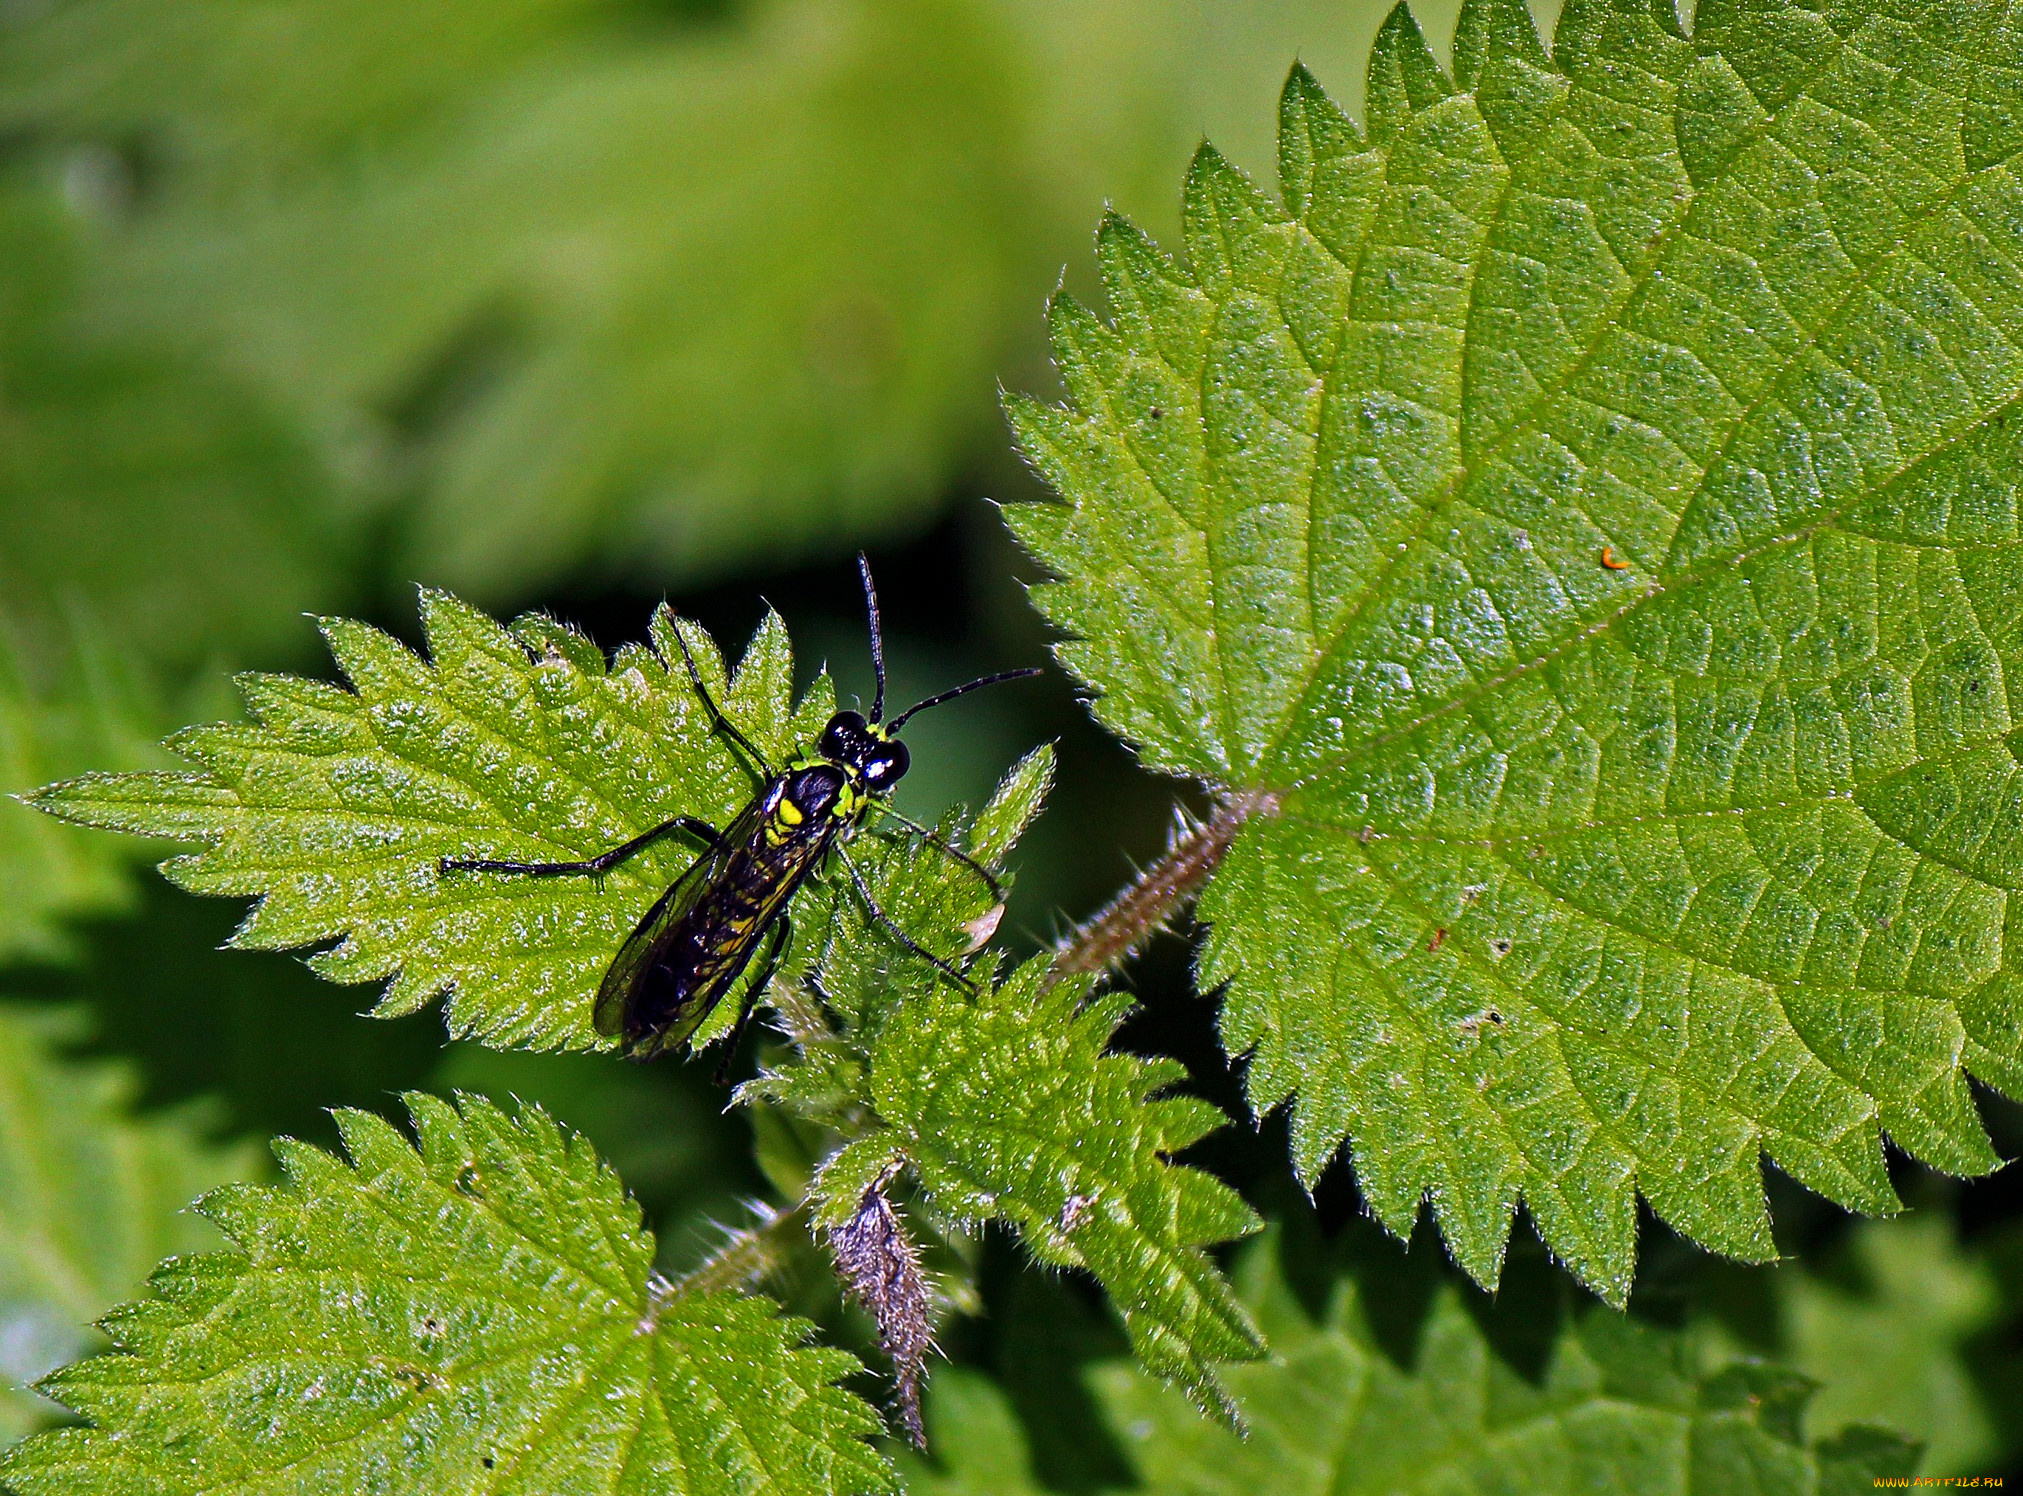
(626, 978)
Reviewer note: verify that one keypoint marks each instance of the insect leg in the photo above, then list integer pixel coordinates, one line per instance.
(595, 867)
(892, 927)
(783, 931)
(935, 840)
(718, 721)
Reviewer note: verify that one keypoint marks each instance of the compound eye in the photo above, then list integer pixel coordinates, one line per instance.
(886, 763)
(846, 730)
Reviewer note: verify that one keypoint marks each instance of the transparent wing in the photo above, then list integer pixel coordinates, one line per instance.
(624, 981)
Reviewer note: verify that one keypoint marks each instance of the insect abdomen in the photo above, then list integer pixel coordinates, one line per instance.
(702, 957)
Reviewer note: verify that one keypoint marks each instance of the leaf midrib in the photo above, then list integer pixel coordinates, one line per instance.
(1827, 521)
(1458, 482)
(1848, 799)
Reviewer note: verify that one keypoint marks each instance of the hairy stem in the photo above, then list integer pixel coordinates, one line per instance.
(1156, 895)
(748, 1256)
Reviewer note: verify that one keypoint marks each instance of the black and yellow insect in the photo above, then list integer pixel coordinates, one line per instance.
(698, 938)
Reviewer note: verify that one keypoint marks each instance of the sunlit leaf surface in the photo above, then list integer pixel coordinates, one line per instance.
(469, 1312)
(91, 1197)
(1009, 1107)
(1585, 494)
(334, 807)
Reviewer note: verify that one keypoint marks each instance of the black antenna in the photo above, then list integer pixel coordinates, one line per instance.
(976, 685)
(877, 639)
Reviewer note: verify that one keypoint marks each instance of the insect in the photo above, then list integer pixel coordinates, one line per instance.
(691, 947)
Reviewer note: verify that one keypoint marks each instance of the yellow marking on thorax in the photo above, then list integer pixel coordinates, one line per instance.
(780, 825)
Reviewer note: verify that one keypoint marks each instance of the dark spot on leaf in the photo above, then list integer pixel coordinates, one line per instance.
(467, 1182)
(1472, 1026)
(1500, 945)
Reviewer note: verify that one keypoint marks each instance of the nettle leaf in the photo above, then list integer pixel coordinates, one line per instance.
(333, 807)
(863, 973)
(1885, 1328)
(472, 1311)
(90, 717)
(1000, 1104)
(775, 334)
(1586, 499)
(979, 1447)
(1008, 1107)
(1614, 1407)
(91, 1197)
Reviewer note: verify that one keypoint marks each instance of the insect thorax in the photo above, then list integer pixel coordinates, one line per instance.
(812, 795)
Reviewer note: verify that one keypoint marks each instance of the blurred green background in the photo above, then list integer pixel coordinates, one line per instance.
(580, 304)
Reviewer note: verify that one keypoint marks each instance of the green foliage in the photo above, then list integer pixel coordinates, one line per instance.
(257, 1032)
(1577, 514)
(93, 718)
(333, 807)
(864, 976)
(661, 1128)
(1615, 1408)
(1003, 1105)
(1587, 497)
(90, 1199)
(1009, 1108)
(590, 285)
(1347, 1407)
(980, 1450)
(1883, 1327)
(135, 475)
(469, 1312)
(597, 281)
